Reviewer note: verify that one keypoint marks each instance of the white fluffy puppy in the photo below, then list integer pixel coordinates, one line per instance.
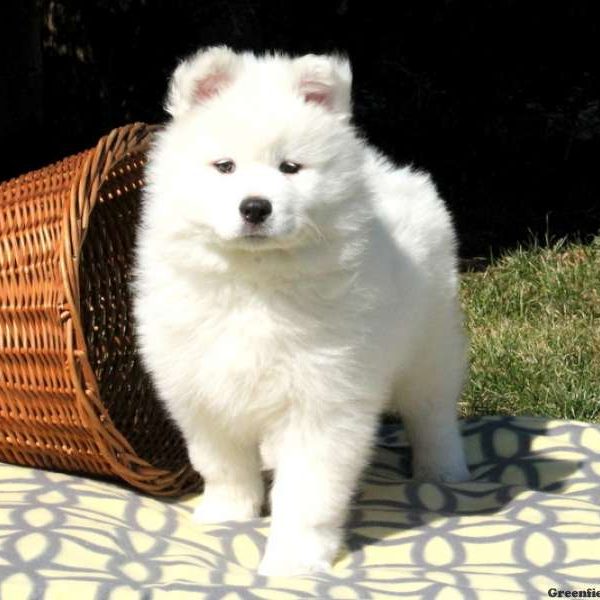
(292, 283)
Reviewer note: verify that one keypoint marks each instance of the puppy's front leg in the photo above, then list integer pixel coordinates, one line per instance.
(318, 464)
(233, 486)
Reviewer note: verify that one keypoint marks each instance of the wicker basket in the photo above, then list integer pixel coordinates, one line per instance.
(73, 395)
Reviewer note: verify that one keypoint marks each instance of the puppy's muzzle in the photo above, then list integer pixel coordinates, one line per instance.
(255, 210)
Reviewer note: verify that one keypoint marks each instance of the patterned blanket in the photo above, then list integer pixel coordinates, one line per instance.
(528, 525)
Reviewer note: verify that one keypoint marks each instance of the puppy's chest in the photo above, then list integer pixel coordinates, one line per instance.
(240, 335)
(236, 342)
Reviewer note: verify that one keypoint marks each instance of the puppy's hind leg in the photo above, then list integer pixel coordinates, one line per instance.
(426, 398)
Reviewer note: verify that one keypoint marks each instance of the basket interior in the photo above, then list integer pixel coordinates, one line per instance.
(106, 264)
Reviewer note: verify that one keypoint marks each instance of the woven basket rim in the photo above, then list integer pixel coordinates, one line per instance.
(115, 448)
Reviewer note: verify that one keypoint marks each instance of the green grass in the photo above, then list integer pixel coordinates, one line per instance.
(534, 321)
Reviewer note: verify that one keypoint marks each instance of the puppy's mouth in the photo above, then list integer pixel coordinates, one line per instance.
(261, 237)
(264, 236)
(255, 233)
(256, 239)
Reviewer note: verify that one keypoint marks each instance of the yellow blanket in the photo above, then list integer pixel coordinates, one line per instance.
(528, 525)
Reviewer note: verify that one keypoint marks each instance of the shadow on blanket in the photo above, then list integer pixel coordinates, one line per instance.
(508, 460)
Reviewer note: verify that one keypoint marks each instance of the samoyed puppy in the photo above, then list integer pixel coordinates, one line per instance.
(291, 284)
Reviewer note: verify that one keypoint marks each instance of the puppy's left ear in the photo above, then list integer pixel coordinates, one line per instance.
(325, 81)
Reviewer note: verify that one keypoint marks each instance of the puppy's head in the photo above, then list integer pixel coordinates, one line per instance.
(260, 152)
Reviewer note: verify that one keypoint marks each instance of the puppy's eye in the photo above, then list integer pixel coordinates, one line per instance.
(289, 168)
(225, 165)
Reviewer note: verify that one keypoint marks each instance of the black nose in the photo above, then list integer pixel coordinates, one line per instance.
(255, 210)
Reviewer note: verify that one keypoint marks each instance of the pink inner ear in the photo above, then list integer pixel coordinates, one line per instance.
(317, 98)
(316, 93)
(209, 86)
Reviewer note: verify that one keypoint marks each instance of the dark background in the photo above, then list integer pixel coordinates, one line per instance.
(499, 100)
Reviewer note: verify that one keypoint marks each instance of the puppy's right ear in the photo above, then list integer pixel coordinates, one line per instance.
(199, 78)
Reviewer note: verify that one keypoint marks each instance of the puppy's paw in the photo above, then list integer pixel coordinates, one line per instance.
(311, 551)
(292, 566)
(223, 506)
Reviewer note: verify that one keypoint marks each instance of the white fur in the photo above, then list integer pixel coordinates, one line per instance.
(282, 351)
